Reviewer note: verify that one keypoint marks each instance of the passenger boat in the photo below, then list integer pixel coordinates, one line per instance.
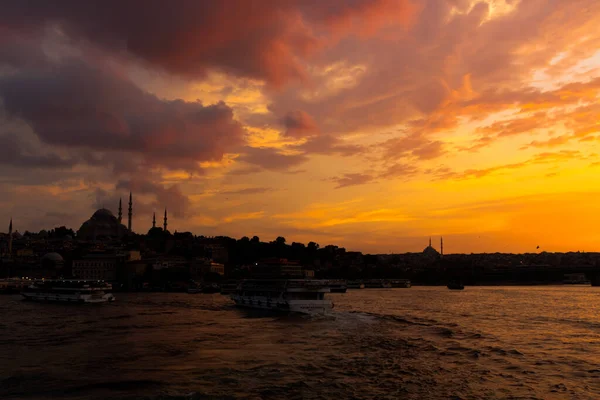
(455, 285)
(70, 291)
(13, 285)
(378, 283)
(401, 283)
(355, 285)
(292, 295)
(337, 286)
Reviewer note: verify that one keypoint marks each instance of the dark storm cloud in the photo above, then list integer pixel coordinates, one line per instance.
(73, 104)
(170, 197)
(263, 39)
(18, 153)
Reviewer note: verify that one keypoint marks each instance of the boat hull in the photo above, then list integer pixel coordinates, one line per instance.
(67, 298)
(298, 306)
(356, 286)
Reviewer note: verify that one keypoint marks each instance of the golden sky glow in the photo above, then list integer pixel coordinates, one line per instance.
(370, 124)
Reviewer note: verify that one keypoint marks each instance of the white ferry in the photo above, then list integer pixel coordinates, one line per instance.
(293, 295)
(73, 291)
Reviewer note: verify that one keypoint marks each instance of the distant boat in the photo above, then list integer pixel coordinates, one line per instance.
(70, 291)
(355, 285)
(455, 285)
(194, 290)
(377, 283)
(338, 286)
(401, 283)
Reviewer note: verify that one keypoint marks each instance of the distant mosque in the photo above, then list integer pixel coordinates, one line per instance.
(104, 225)
(431, 252)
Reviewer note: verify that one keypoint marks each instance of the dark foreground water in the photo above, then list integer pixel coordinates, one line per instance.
(418, 343)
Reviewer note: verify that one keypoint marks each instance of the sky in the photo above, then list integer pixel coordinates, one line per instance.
(369, 124)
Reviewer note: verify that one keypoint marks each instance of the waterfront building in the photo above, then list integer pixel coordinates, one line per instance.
(103, 266)
(277, 267)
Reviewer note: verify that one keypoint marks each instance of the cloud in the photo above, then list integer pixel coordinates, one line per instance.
(245, 191)
(329, 145)
(265, 40)
(540, 158)
(244, 216)
(77, 105)
(169, 197)
(57, 215)
(400, 171)
(271, 159)
(14, 151)
(299, 124)
(351, 179)
(415, 145)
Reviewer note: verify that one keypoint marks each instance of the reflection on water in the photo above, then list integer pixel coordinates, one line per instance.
(424, 342)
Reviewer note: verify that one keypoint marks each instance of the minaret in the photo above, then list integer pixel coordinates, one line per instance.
(10, 238)
(120, 211)
(130, 214)
(154, 220)
(441, 245)
(429, 241)
(165, 224)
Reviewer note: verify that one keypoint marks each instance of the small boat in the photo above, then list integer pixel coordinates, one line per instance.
(69, 291)
(194, 290)
(455, 285)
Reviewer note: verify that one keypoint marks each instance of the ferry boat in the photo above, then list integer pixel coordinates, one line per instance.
(13, 285)
(401, 283)
(355, 285)
(73, 291)
(337, 286)
(292, 295)
(455, 285)
(377, 284)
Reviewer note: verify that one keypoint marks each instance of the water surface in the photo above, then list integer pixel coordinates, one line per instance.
(423, 342)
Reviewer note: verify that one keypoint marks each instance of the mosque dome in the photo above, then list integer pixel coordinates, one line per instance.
(431, 252)
(53, 257)
(103, 214)
(102, 224)
(53, 260)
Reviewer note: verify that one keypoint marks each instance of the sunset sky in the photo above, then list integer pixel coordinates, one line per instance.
(369, 124)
